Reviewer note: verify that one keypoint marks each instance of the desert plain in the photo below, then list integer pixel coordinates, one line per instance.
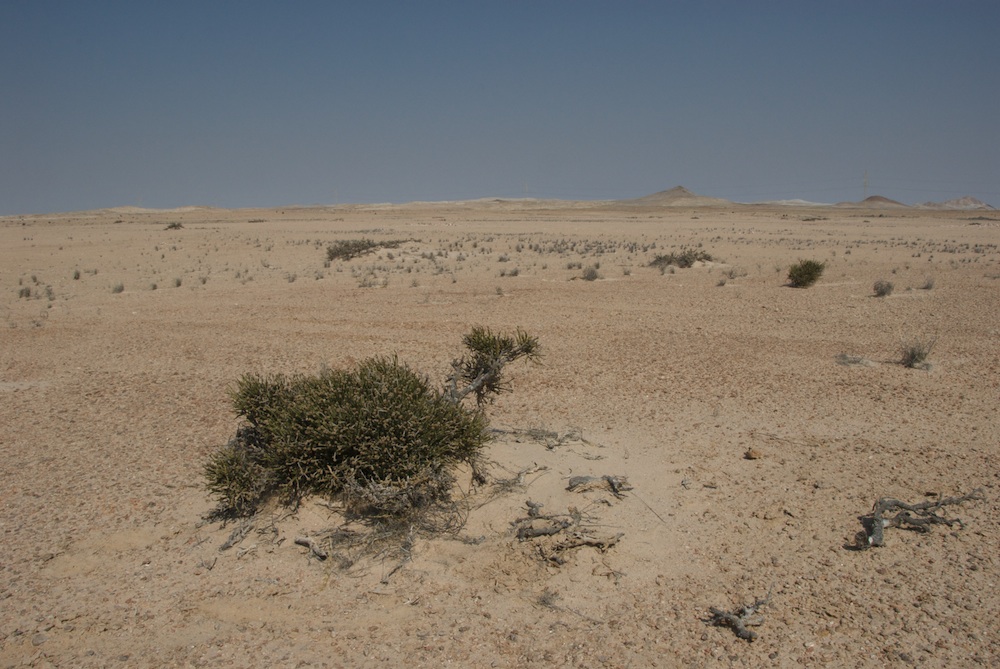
(756, 425)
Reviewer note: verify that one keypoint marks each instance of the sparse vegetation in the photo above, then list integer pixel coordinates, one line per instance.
(174, 226)
(346, 249)
(883, 288)
(914, 353)
(683, 259)
(805, 273)
(378, 436)
(591, 274)
(118, 288)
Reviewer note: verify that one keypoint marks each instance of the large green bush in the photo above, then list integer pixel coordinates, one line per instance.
(805, 273)
(378, 436)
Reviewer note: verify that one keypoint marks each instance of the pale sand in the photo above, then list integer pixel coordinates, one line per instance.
(112, 402)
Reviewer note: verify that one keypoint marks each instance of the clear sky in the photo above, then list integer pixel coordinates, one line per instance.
(250, 103)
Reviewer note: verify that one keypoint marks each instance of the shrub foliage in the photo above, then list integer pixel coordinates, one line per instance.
(481, 370)
(883, 288)
(378, 435)
(683, 259)
(805, 273)
(346, 249)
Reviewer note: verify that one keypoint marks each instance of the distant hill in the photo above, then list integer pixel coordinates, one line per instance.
(875, 202)
(678, 196)
(967, 203)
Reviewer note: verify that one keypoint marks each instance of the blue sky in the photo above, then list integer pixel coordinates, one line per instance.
(239, 104)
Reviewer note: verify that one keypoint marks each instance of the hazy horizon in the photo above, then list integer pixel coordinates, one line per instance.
(263, 104)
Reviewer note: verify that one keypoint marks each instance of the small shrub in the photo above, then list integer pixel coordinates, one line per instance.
(174, 226)
(24, 292)
(805, 273)
(347, 249)
(591, 274)
(177, 282)
(76, 275)
(928, 284)
(914, 353)
(882, 288)
(118, 288)
(735, 273)
(684, 259)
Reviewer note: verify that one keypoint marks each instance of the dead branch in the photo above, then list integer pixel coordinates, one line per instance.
(238, 534)
(567, 532)
(739, 619)
(600, 543)
(616, 484)
(918, 517)
(314, 547)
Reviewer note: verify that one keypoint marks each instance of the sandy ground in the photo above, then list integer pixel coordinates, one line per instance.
(111, 402)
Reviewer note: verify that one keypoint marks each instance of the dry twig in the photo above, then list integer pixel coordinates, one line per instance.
(741, 618)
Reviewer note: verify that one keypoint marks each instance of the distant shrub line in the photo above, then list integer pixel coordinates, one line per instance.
(346, 249)
(683, 259)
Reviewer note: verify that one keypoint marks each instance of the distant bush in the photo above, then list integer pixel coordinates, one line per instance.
(118, 288)
(591, 274)
(805, 273)
(683, 259)
(914, 353)
(928, 284)
(350, 248)
(174, 226)
(378, 436)
(346, 249)
(883, 288)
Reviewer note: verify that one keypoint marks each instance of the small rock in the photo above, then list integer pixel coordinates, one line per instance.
(753, 454)
(39, 639)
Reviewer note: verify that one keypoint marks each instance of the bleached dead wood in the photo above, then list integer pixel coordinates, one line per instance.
(917, 517)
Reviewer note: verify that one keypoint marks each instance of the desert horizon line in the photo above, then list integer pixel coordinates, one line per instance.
(677, 196)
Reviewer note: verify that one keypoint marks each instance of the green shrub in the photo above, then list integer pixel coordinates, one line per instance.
(174, 226)
(481, 370)
(346, 249)
(350, 248)
(684, 259)
(805, 273)
(378, 436)
(883, 288)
